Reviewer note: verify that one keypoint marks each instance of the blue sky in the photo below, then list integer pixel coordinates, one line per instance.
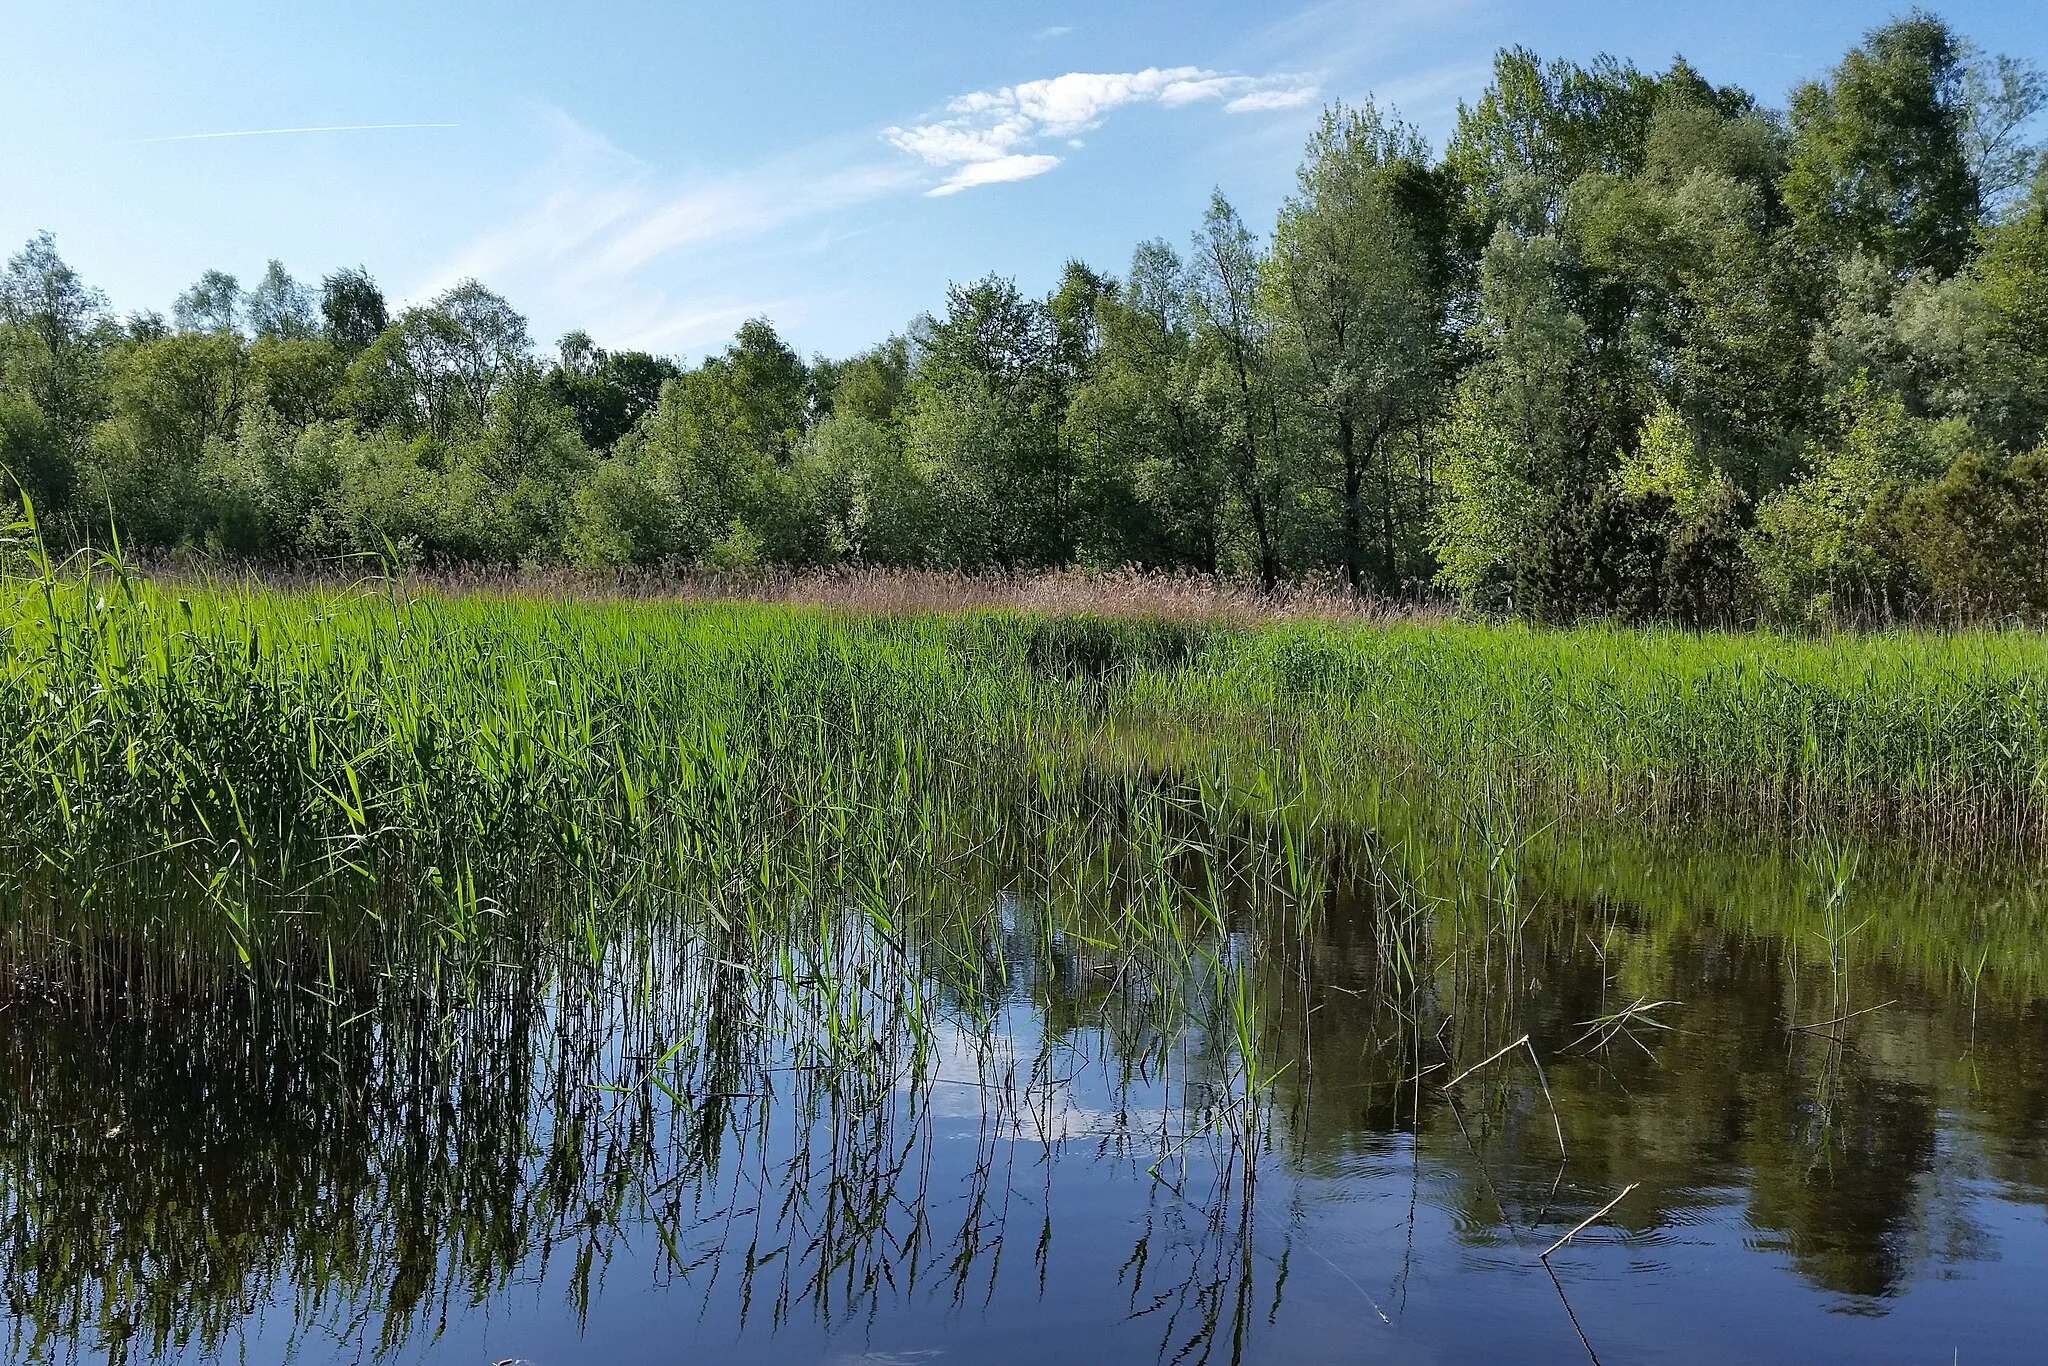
(656, 173)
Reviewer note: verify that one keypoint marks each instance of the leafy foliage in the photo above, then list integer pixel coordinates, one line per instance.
(1634, 345)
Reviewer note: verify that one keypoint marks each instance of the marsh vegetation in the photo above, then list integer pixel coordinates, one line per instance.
(395, 974)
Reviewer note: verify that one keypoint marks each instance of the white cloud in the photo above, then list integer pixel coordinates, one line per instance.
(989, 133)
(1259, 100)
(995, 172)
(1046, 35)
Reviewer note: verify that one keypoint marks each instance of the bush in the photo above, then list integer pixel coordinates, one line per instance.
(1826, 547)
(1978, 536)
(1707, 576)
(1602, 555)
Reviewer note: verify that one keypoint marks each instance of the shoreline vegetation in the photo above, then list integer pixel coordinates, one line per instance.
(1631, 346)
(248, 752)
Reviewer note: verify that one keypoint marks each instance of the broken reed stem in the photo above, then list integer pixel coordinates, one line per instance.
(1839, 1019)
(1543, 1081)
(1594, 1217)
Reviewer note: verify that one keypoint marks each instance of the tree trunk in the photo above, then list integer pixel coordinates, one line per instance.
(1354, 477)
(1269, 560)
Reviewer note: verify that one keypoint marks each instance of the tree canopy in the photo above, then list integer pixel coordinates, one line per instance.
(1634, 344)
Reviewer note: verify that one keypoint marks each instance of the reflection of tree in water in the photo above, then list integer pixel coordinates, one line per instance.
(757, 1114)
(1827, 1138)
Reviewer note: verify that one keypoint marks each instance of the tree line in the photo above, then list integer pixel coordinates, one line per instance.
(1634, 345)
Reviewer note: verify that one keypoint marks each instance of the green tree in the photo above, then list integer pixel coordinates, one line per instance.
(1514, 445)
(1234, 354)
(172, 399)
(606, 392)
(1352, 284)
(509, 485)
(1826, 547)
(1978, 535)
(1539, 127)
(1151, 449)
(280, 307)
(54, 333)
(718, 450)
(869, 385)
(982, 424)
(214, 303)
(2002, 97)
(352, 310)
(297, 378)
(1879, 161)
(437, 369)
(873, 502)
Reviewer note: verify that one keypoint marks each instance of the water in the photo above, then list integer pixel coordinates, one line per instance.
(1821, 1077)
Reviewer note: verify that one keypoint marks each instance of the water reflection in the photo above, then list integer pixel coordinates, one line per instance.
(1299, 1136)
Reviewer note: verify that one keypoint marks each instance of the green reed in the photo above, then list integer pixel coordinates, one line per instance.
(226, 769)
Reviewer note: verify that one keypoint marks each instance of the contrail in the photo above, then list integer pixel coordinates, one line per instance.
(274, 132)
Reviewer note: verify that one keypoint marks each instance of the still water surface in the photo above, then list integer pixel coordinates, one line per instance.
(1833, 1131)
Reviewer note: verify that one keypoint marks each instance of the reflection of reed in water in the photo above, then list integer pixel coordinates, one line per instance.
(739, 1068)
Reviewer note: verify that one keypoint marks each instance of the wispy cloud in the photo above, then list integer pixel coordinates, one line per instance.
(1259, 100)
(282, 132)
(1019, 167)
(1046, 35)
(989, 134)
(644, 260)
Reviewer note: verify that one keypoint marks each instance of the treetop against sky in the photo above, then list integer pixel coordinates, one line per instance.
(656, 173)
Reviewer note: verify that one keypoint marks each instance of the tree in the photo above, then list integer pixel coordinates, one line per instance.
(214, 303)
(2002, 96)
(1539, 127)
(352, 310)
(1234, 338)
(872, 501)
(606, 392)
(1703, 298)
(982, 416)
(1515, 444)
(54, 331)
(172, 399)
(870, 385)
(296, 378)
(1352, 280)
(1879, 161)
(1826, 546)
(1978, 535)
(438, 368)
(717, 452)
(1150, 450)
(508, 486)
(280, 307)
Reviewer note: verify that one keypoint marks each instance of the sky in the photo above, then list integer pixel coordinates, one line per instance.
(656, 173)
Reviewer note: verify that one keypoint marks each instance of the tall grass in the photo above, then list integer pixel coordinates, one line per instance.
(230, 770)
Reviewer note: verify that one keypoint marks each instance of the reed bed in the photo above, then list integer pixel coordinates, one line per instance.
(1123, 594)
(220, 769)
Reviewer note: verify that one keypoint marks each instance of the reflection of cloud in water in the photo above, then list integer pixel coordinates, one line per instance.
(991, 1080)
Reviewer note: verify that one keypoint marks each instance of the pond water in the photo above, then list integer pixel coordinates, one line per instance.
(1807, 1099)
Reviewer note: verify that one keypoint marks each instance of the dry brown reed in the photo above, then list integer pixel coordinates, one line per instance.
(1122, 593)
